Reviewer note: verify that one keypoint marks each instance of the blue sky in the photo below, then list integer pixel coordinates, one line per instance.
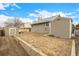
(31, 11)
(26, 8)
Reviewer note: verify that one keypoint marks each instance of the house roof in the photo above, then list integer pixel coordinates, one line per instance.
(44, 20)
(40, 21)
(25, 25)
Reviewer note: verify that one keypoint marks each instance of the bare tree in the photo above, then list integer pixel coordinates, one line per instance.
(17, 22)
(77, 26)
(13, 23)
(8, 23)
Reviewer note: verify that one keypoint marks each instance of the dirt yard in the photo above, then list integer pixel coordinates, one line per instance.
(10, 47)
(51, 46)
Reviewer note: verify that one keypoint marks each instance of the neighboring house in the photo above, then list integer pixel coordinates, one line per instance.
(10, 31)
(77, 30)
(77, 27)
(25, 27)
(57, 26)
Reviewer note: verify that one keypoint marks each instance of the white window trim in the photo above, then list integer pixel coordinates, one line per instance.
(10, 31)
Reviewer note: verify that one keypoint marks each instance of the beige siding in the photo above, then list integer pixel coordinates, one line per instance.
(58, 26)
(7, 31)
(40, 28)
(61, 27)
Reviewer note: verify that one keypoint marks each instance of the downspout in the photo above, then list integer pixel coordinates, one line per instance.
(70, 29)
(50, 28)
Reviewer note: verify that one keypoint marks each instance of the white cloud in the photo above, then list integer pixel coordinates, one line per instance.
(45, 14)
(3, 18)
(3, 6)
(61, 14)
(75, 22)
(77, 9)
(16, 6)
(25, 20)
(33, 15)
(41, 13)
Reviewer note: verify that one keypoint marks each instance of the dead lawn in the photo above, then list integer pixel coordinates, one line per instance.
(10, 47)
(48, 45)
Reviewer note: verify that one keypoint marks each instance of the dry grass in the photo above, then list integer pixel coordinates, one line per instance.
(48, 45)
(10, 47)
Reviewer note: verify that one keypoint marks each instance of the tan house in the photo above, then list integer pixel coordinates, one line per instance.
(56, 25)
(26, 27)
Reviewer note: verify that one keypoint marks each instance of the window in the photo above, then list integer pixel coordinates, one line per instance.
(58, 19)
(47, 24)
(32, 25)
(12, 31)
